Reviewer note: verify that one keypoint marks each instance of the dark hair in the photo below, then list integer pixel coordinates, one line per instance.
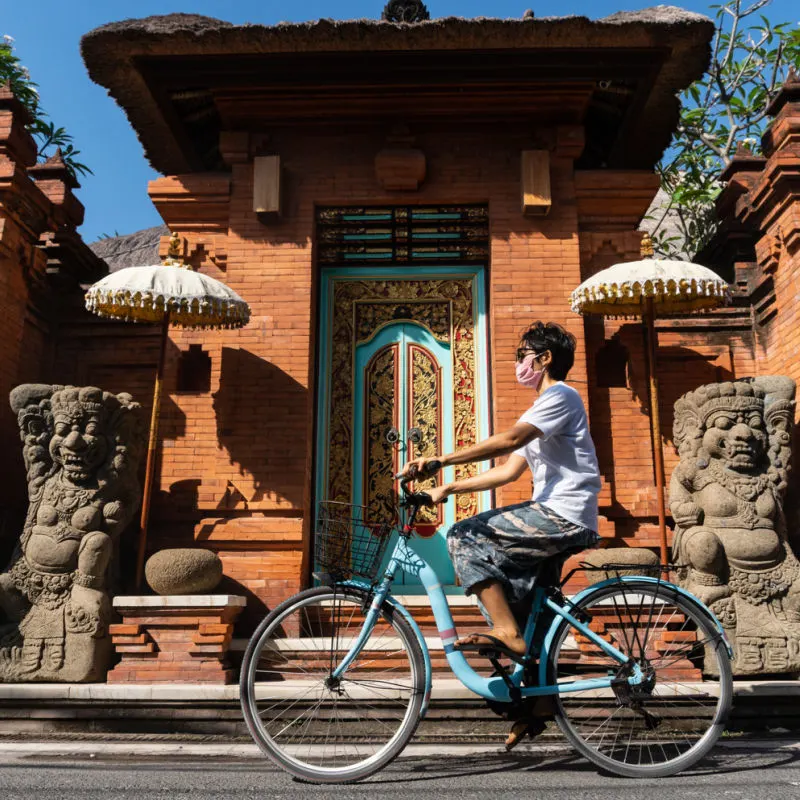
(550, 336)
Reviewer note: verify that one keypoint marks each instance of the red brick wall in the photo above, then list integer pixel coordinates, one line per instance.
(237, 462)
(237, 465)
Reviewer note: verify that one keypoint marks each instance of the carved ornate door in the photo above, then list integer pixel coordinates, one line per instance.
(402, 373)
(402, 411)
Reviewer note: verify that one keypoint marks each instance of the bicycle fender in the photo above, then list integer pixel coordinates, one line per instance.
(426, 656)
(688, 596)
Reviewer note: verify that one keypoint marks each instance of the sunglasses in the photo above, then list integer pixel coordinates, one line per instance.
(523, 352)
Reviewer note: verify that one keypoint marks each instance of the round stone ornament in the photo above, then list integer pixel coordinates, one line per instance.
(185, 570)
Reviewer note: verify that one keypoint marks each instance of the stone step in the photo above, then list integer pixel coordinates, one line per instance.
(455, 715)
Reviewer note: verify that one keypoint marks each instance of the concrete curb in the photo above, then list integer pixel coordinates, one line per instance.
(103, 751)
(443, 689)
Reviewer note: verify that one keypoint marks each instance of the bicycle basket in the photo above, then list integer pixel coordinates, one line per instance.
(348, 544)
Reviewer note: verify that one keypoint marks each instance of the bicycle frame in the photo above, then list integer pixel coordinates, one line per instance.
(494, 688)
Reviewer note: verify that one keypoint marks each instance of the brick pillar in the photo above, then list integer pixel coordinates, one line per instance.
(41, 256)
(25, 213)
(762, 200)
(610, 206)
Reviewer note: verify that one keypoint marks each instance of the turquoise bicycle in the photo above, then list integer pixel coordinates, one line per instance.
(336, 679)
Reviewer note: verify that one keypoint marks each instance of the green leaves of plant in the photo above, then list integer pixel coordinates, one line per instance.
(724, 109)
(48, 137)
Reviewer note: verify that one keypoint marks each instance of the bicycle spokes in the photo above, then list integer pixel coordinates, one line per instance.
(320, 724)
(675, 709)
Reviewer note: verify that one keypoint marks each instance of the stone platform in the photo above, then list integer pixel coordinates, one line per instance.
(455, 715)
(174, 638)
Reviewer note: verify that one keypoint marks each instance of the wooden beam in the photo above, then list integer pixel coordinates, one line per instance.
(536, 200)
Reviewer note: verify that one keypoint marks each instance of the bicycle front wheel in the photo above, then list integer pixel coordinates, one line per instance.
(318, 727)
(671, 720)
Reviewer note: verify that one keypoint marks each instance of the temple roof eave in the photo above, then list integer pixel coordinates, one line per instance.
(116, 56)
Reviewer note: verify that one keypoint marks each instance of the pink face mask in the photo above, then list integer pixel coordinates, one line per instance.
(527, 375)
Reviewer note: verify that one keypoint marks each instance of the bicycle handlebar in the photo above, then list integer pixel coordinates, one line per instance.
(417, 499)
(415, 474)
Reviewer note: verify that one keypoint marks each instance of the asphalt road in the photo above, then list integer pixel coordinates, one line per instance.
(743, 773)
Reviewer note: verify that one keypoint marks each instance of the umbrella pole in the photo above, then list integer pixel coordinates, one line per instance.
(655, 427)
(151, 453)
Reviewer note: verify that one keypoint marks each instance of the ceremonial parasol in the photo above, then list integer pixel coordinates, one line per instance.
(167, 294)
(647, 288)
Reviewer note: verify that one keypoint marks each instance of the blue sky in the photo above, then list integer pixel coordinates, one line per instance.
(48, 33)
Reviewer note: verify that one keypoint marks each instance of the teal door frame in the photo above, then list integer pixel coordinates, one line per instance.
(328, 278)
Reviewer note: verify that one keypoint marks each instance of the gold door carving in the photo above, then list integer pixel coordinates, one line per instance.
(445, 307)
(425, 382)
(381, 413)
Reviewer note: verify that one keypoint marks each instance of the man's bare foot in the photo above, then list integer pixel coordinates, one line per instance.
(522, 728)
(534, 723)
(511, 640)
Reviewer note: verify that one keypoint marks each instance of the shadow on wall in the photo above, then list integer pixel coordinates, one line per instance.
(620, 363)
(679, 370)
(261, 415)
(252, 614)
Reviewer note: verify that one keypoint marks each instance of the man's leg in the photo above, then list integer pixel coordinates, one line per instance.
(504, 626)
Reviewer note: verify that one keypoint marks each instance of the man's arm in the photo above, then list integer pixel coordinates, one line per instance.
(498, 445)
(495, 446)
(491, 479)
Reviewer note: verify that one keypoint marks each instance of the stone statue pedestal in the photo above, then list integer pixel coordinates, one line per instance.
(174, 638)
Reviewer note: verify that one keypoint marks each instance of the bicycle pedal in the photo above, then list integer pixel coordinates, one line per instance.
(493, 653)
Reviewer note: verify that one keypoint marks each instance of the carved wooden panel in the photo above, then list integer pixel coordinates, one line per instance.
(381, 413)
(425, 412)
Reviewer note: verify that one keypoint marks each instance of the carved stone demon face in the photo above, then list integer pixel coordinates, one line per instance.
(79, 444)
(736, 436)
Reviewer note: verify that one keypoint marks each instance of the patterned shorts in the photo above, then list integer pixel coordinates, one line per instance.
(508, 545)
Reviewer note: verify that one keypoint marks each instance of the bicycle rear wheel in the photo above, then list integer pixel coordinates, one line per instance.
(674, 718)
(314, 726)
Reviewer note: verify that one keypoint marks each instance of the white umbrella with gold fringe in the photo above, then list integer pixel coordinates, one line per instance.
(166, 294)
(649, 288)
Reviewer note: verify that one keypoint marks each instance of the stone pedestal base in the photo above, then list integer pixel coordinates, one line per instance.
(175, 638)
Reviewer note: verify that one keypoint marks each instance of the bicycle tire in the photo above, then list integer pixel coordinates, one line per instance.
(255, 717)
(672, 703)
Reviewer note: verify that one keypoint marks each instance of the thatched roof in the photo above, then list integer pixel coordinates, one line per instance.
(138, 249)
(677, 40)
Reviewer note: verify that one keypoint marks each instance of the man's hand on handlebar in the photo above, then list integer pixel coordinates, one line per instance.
(438, 494)
(421, 468)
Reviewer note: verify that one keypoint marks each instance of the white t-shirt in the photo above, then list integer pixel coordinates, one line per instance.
(563, 461)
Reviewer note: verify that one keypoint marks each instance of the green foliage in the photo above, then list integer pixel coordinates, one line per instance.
(722, 112)
(48, 137)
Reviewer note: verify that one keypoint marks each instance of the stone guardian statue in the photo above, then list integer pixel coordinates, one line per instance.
(81, 448)
(726, 496)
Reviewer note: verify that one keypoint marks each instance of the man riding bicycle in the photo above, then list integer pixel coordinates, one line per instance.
(336, 678)
(497, 554)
